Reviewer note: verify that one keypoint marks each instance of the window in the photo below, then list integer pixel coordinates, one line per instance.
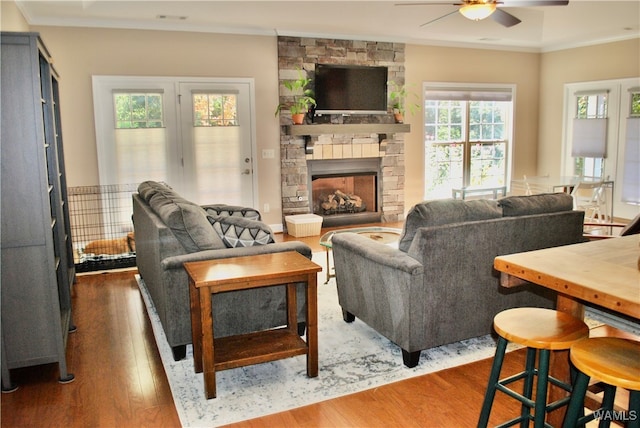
(590, 106)
(137, 110)
(635, 102)
(466, 139)
(139, 135)
(215, 109)
(631, 165)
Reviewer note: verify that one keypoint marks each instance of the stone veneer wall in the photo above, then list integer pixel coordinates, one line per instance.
(305, 53)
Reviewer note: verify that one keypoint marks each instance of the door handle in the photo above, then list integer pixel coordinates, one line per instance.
(246, 172)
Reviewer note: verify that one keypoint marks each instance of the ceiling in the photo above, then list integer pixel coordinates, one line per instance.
(548, 28)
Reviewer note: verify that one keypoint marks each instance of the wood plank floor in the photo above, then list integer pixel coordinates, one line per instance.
(119, 377)
(120, 381)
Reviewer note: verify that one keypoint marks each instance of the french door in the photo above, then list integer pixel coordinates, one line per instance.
(216, 135)
(618, 102)
(197, 135)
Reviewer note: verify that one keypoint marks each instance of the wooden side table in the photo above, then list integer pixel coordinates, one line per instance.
(242, 273)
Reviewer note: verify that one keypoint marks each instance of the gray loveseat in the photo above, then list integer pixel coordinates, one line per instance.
(170, 231)
(439, 286)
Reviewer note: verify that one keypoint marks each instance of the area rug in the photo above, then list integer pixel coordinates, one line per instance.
(352, 357)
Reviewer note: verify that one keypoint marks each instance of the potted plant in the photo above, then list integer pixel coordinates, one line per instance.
(398, 96)
(303, 97)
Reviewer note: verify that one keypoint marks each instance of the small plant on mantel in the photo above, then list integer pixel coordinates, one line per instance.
(398, 95)
(303, 97)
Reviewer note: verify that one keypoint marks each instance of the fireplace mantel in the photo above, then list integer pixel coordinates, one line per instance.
(351, 128)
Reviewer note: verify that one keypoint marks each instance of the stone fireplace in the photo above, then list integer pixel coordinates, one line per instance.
(352, 156)
(357, 154)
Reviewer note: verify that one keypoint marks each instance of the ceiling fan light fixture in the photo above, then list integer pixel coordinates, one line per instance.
(477, 11)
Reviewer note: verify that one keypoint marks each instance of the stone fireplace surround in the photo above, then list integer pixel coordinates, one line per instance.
(341, 137)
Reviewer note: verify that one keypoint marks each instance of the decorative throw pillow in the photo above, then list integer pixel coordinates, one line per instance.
(241, 232)
(232, 211)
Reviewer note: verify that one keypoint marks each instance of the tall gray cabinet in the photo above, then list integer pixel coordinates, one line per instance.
(37, 256)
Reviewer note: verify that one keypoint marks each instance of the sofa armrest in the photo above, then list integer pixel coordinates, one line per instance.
(177, 262)
(381, 254)
(381, 286)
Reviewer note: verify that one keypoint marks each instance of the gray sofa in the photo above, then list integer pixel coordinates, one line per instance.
(439, 286)
(171, 231)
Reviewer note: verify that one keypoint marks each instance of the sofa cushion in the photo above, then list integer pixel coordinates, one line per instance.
(148, 188)
(187, 221)
(446, 211)
(241, 232)
(535, 204)
(232, 211)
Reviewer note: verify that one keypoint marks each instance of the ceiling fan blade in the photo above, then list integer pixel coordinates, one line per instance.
(438, 19)
(504, 18)
(533, 3)
(437, 3)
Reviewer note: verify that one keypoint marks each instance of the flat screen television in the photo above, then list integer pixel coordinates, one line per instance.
(350, 89)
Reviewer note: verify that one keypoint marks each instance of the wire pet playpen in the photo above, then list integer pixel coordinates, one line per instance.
(101, 226)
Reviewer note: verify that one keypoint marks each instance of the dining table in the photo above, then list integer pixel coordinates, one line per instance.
(562, 183)
(603, 273)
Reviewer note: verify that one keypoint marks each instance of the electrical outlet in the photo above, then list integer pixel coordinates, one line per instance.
(266, 208)
(268, 154)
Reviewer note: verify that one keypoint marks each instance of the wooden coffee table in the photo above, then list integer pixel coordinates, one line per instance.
(242, 273)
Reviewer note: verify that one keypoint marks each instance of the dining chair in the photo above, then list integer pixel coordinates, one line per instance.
(527, 187)
(531, 187)
(595, 230)
(590, 197)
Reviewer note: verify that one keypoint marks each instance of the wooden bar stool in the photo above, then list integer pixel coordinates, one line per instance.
(538, 329)
(611, 360)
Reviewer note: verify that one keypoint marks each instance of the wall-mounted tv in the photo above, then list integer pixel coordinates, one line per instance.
(350, 89)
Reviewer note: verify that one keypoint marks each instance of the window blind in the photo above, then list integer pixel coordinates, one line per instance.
(589, 138)
(468, 94)
(631, 177)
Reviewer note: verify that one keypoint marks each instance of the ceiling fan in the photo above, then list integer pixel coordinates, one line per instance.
(476, 10)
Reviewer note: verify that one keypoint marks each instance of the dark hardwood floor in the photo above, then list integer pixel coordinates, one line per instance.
(120, 381)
